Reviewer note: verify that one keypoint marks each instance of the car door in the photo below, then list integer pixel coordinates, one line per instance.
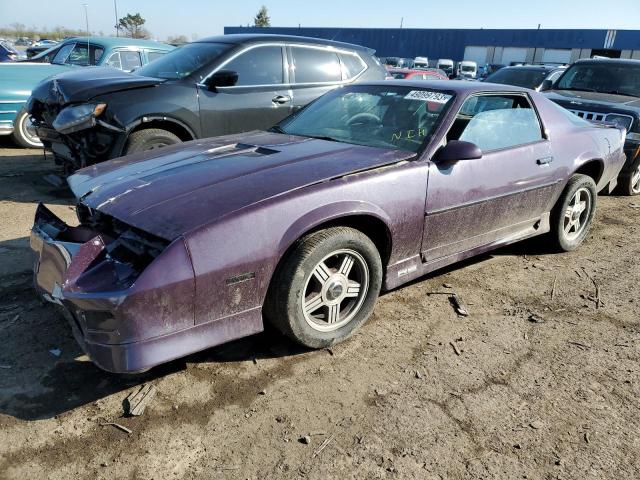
(316, 69)
(502, 195)
(259, 99)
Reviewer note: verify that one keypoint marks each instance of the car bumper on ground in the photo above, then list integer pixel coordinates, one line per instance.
(125, 326)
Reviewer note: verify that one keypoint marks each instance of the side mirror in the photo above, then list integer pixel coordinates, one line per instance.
(222, 78)
(456, 150)
(546, 85)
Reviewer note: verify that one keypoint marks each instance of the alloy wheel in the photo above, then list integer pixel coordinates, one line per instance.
(577, 213)
(635, 181)
(335, 290)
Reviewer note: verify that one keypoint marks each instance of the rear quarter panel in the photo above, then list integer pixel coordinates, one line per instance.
(573, 146)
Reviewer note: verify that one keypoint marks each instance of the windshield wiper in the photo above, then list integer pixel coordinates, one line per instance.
(580, 89)
(618, 92)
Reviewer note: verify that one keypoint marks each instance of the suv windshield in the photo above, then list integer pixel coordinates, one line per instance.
(183, 61)
(520, 77)
(616, 78)
(398, 118)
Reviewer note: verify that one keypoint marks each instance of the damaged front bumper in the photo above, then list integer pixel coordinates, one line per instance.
(126, 319)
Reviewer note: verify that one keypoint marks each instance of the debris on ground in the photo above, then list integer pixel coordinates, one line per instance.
(458, 305)
(535, 318)
(55, 351)
(322, 446)
(455, 348)
(536, 424)
(306, 439)
(135, 404)
(118, 426)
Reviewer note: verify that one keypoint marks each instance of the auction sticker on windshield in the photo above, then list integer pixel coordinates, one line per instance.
(427, 96)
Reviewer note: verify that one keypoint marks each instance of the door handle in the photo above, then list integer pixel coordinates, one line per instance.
(544, 160)
(281, 99)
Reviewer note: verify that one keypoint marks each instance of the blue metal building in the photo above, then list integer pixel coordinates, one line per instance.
(484, 46)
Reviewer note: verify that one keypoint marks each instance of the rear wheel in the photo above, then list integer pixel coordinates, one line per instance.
(326, 288)
(149, 139)
(629, 181)
(572, 216)
(24, 133)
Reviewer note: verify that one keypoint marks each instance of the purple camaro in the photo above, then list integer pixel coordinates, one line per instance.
(366, 188)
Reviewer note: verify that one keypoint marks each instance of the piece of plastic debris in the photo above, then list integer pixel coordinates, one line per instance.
(55, 351)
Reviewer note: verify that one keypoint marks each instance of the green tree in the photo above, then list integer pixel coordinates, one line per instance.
(262, 18)
(131, 25)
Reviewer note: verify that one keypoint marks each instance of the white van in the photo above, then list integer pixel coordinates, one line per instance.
(421, 62)
(446, 65)
(467, 69)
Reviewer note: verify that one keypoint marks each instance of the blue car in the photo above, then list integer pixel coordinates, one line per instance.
(17, 79)
(8, 53)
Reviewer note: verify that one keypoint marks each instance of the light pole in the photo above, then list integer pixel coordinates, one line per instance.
(115, 9)
(86, 20)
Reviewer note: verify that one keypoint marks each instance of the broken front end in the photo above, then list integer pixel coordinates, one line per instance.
(78, 135)
(123, 291)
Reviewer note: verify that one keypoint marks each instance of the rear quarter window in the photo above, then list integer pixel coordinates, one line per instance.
(313, 65)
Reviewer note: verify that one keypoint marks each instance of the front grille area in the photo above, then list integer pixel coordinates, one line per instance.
(591, 116)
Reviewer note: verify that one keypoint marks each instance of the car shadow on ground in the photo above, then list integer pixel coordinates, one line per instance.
(43, 372)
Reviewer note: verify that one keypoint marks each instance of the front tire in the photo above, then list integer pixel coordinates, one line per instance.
(24, 133)
(326, 288)
(572, 216)
(629, 180)
(149, 139)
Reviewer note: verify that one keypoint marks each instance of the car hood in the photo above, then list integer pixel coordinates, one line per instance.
(579, 98)
(80, 85)
(174, 190)
(17, 79)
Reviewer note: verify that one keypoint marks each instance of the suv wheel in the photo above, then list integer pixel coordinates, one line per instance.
(149, 139)
(629, 181)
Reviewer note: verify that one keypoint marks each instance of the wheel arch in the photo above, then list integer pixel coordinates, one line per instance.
(180, 129)
(369, 219)
(594, 168)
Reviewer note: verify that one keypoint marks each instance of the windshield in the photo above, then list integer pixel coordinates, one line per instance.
(468, 68)
(78, 54)
(520, 77)
(183, 61)
(618, 78)
(391, 117)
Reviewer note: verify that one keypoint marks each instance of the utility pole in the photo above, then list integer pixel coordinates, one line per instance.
(86, 19)
(115, 9)
(401, 22)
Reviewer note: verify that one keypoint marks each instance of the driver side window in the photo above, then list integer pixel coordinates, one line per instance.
(258, 66)
(494, 122)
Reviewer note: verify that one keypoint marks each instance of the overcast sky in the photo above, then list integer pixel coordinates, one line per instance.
(208, 17)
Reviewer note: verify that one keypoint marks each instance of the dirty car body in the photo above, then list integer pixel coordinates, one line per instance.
(177, 248)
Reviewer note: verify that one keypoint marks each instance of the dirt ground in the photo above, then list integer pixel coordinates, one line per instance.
(419, 392)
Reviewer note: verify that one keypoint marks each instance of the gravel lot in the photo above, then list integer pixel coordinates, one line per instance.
(419, 392)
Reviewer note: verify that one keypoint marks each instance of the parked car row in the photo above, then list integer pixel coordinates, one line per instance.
(17, 79)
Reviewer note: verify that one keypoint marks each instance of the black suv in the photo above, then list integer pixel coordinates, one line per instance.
(216, 86)
(606, 91)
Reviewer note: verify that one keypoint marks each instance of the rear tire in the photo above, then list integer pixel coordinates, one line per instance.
(572, 216)
(629, 180)
(149, 139)
(326, 287)
(24, 133)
